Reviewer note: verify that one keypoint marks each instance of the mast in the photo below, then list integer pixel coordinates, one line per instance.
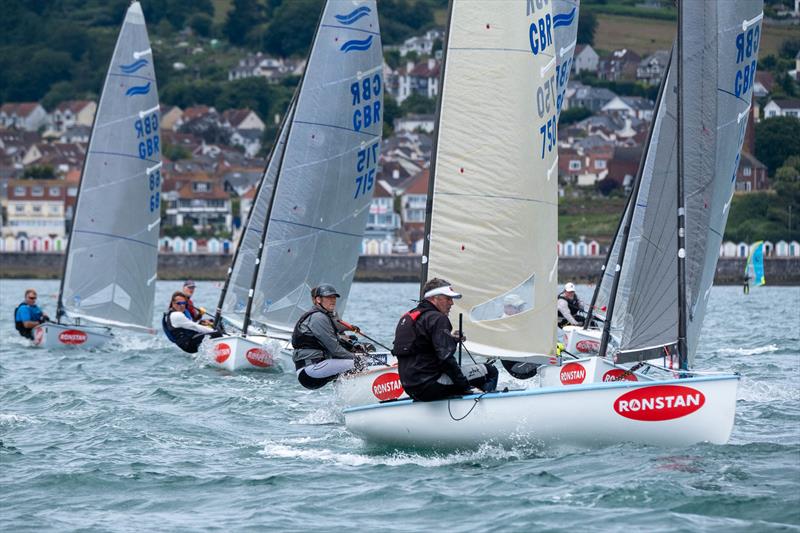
(628, 217)
(683, 354)
(426, 237)
(257, 269)
(223, 294)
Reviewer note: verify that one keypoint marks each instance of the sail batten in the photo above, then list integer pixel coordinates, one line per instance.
(113, 248)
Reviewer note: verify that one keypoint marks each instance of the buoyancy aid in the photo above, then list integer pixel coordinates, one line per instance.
(187, 340)
(407, 339)
(306, 339)
(25, 332)
(574, 306)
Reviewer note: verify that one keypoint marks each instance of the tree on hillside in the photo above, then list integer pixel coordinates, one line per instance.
(292, 27)
(777, 138)
(419, 105)
(587, 26)
(245, 15)
(572, 115)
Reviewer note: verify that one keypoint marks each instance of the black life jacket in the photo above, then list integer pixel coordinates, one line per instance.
(25, 332)
(407, 340)
(574, 307)
(306, 339)
(187, 340)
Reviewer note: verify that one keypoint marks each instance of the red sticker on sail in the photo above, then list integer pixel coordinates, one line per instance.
(572, 374)
(659, 402)
(72, 336)
(387, 386)
(259, 357)
(221, 352)
(587, 346)
(617, 374)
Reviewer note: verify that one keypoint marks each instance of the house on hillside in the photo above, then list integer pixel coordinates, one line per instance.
(618, 65)
(624, 165)
(72, 113)
(763, 84)
(422, 45)
(751, 174)
(782, 107)
(171, 117)
(382, 220)
(28, 116)
(414, 122)
(631, 106)
(421, 78)
(35, 209)
(592, 98)
(199, 200)
(414, 201)
(651, 68)
(585, 59)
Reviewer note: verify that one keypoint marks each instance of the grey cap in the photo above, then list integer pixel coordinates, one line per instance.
(324, 290)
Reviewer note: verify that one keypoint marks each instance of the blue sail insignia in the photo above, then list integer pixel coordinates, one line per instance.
(353, 16)
(564, 19)
(133, 67)
(357, 45)
(141, 89)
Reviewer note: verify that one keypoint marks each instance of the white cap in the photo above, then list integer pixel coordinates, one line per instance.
(446, 291)
(569, 287)
(513, 299)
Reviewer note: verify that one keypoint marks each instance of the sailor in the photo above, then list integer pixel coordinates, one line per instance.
(513, 304)
(180, 328)
(424, 345)
(321, 352)
(28, 315)
(570, 308)
(196, 312)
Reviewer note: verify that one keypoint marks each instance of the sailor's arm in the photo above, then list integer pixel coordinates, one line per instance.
(445, 346)
(179, 320)
(563, 308)
(321, 327)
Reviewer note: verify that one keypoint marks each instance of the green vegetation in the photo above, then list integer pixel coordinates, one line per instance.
(777, 138)
(39, 172)
(583, 214)
(573, 115)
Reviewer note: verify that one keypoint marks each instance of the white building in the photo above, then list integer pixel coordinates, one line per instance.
(28, 116)
(784, 107)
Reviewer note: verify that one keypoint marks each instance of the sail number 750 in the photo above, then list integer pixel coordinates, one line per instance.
(548, 131)
(366, 165)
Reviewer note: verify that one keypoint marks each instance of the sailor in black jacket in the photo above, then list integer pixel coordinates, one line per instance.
(424, 345)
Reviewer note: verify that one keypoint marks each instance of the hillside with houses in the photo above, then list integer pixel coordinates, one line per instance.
(214, 148)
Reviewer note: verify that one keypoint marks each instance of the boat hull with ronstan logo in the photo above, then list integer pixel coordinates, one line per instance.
(373, 385)
(51, 335)
(255, 352)
(672, 412)
(582, 342)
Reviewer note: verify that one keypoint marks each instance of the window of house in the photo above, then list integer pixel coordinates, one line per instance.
(574, 164)
(72, 191)
(201, 186)
(19, 191)
(54, 209)
(55, 191)
(747, 171)
(600, 164)
(37, 209)
(37, 190)
(19, 208)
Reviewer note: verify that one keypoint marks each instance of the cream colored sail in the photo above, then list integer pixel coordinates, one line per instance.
(493, 210)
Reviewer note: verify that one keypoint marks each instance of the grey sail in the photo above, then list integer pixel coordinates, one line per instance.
(565, 37)
(248, 251)
(328, 170)
(110, 270)
(645, 314)
(721, 41)
(602, 295)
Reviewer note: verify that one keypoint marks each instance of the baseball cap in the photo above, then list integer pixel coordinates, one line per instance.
(189, 283)
(569, 287)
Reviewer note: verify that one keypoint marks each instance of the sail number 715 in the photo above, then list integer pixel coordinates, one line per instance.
(366, 165)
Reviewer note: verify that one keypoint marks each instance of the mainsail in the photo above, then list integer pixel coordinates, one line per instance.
(754, 269)
(110, 271)
(491, 224)
(716, 55)
(327, 170)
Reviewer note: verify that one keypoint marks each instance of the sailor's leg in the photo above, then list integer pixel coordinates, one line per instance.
(317, 375)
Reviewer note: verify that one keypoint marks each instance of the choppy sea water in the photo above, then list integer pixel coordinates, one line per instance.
(138, 437)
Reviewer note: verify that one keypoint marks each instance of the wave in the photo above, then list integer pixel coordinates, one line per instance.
(354, 15)
(760, 391)
(10, 419)
(133, 67)
(141, 89)
(750, 351)
(355, 44)
(565, 19)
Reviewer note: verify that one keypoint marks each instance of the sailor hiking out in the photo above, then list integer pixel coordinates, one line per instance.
(181, 329)
(28, 315)
(424, 345)
(321, 350)
(570, 307)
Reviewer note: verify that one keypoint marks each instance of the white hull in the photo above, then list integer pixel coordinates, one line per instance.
(376, 384)
(254, 352)
(51, 335)
(582, 342)
(675, 412)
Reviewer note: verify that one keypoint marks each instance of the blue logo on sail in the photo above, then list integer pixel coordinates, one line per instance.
(133, 67)
(564, 19)
(141, 89)
(353, 16)
(357, 45)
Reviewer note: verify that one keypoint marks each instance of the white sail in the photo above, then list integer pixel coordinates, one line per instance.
(327, 172)
(112, 254)
(493, 216)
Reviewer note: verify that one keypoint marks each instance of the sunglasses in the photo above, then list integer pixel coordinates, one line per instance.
(31, 297)
(179, 303)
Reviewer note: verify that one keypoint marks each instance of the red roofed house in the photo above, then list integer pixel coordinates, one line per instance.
(71, 113)
(29, 116)
(422, 79)
(414, 203)
(36, 209)
(751, 174)
(199, 200)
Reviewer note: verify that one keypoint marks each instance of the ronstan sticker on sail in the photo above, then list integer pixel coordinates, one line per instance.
(387, 386)
(660, 402)
(259, 357)
(572, 374)
(221, 352)
(72, 336)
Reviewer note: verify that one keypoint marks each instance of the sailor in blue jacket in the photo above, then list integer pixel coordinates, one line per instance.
(28, 315)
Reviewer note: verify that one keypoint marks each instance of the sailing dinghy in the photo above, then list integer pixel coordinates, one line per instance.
(110, 269)
(551, 39)
(308, 218)
(656, 303)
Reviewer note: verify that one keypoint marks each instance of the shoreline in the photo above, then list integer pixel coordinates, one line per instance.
(376, 268)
